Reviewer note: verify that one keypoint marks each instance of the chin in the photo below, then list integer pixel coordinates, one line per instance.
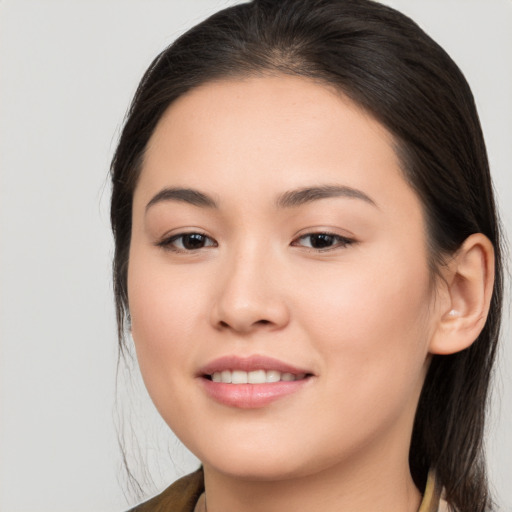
(260, 463)
(258, 469)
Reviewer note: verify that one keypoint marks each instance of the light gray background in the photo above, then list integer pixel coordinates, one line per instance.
(68, 69)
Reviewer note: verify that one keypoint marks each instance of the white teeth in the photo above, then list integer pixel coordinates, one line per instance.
(239, 377)
(257, 377)
(226, 376)
(273, 376)
(254, 377)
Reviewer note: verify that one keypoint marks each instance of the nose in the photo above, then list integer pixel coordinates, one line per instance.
(250, 295)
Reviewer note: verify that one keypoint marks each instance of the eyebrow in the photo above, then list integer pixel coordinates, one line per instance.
(185, 195)
(289, 199)
(301, 196)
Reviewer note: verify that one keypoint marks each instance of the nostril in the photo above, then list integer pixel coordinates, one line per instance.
(223, 324)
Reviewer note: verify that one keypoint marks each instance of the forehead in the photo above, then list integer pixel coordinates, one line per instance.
(267, 111)
(275, 132)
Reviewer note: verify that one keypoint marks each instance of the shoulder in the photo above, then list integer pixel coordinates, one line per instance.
(181, 496)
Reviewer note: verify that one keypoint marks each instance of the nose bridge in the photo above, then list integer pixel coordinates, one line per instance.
(250, 290)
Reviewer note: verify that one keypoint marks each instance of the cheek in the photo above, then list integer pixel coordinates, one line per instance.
(362, 298)
(371, 324)
(165, 309)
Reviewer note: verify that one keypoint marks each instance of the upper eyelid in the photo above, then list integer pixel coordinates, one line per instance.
(167, 239)
(341, 242)
(324, 231)
(328, 229)
(176, 233)
(335, 235)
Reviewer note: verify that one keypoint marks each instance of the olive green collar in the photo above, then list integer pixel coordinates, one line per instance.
(432, 501)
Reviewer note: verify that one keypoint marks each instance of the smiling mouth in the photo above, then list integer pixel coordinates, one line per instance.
(254, 377)
(252, 382)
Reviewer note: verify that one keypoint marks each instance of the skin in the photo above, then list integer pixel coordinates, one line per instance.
(360, 316)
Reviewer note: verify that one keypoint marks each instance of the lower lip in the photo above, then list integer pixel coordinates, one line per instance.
(251, 396)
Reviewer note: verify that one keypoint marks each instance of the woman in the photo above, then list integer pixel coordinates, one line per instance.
(308, 260)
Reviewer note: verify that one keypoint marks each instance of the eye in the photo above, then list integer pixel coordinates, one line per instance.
(322, 241)
(185, 242)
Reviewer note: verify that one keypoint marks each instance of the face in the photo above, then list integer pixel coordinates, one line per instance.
(278, 284)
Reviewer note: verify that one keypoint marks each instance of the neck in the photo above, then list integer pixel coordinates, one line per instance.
(384, 487)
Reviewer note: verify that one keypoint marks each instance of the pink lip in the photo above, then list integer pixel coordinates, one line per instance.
(250, 396)
(248, 364)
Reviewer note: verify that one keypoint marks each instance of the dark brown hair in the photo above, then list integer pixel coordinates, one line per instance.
(387, 65)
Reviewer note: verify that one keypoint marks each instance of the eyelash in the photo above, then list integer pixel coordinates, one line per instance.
(341, 241)
(169, 243)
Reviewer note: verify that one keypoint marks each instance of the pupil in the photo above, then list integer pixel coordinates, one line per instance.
(321, 240)
(193, 241)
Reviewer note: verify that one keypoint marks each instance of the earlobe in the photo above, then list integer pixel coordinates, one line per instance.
(469, 279)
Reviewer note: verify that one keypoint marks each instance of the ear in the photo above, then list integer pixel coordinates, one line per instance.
(469, 280)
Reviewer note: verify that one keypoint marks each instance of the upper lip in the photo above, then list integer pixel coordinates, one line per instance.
(251, 363)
